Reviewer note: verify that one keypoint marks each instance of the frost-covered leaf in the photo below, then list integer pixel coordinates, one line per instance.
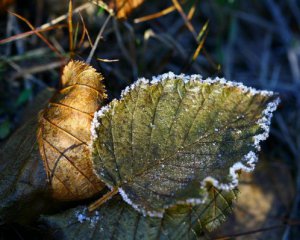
(166, 139)
(23, 183)
(117, 220)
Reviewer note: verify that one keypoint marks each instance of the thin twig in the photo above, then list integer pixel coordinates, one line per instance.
(103, 5)
(83, 31)
(49, 25)
(38, 34)
(155, 15)
(192, 11)
(185, 18)
(37, 69)
(107, 60)
(65, 16)
(29, 33)
(99, 36)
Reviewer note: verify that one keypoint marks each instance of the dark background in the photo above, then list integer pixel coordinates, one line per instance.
(255, 42)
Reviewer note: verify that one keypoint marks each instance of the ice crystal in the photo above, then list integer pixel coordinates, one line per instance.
(82, 217)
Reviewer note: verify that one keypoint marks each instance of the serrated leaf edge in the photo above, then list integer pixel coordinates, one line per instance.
(250, 158)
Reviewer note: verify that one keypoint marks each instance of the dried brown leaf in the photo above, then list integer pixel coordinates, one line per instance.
(64, 133)
(121, 8)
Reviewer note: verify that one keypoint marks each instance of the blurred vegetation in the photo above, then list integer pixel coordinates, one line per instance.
(254, 42)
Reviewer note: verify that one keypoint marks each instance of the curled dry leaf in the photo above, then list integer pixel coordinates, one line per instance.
(121, 8)
(117, 220)
(166, 139)
(22, 176)
(64, 133)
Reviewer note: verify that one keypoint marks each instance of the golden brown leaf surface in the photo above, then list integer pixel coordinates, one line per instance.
(64, 133)
(122, 8)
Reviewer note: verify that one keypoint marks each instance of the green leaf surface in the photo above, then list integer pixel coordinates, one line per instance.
(23, 98)
(166, 139)
(117, 220)
(23, 184)
(4, 129)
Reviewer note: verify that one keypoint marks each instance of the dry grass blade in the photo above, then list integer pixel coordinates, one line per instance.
(29, 33)
(65, 16)
(99, 36)
(155, 15)
(76, 35)
(185, 18)
(201, 39)
(39, 34)
(108, 60)
(70, 24)
(203, 31)
(192, 10)
(84, 32)
(199, 48)
(37, 69)
(46, 26)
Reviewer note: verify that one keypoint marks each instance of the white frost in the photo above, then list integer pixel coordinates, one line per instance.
(265, 122)
(195, 77)
(193, 201)
(82, 216)
(136, 207)
(95, 122)
(250, 159)
(138, 83)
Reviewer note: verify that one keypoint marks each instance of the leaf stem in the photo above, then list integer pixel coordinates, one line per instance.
(103, 199)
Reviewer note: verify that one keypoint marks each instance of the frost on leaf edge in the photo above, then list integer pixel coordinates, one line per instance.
(250, 158)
